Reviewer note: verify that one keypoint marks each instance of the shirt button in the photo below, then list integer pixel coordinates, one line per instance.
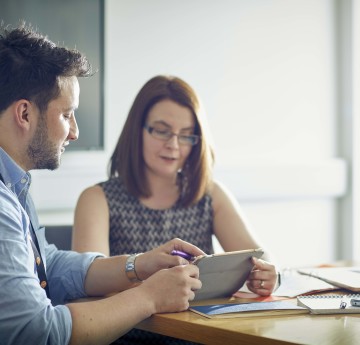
(38, 260)
(23, 180)
(43, 284)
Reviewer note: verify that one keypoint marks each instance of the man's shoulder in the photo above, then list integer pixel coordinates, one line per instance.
(8, 201)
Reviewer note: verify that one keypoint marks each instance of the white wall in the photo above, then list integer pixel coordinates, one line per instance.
(356, 128)
(266, 73)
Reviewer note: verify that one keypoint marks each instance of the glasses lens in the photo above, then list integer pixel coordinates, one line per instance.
(165, 135)
(188, 139)
(161, 134)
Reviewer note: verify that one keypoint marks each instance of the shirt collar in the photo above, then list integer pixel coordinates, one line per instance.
(14, 177)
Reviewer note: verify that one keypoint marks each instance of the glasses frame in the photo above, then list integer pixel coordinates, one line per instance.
(155, 134)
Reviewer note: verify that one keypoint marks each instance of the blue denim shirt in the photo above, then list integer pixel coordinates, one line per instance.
(27, 316)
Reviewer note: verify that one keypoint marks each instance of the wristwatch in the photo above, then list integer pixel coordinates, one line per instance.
(130, 268)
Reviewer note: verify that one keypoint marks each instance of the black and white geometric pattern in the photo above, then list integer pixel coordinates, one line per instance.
(135, 228)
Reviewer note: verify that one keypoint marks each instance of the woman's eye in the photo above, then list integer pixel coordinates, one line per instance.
(161, 131)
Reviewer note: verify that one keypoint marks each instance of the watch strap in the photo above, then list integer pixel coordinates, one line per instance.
(130, 268)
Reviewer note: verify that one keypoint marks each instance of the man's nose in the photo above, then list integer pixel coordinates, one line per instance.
(74, 129)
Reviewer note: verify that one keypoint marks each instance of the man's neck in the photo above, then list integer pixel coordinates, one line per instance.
(16, 157)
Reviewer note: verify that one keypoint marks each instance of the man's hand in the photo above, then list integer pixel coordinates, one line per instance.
(160, 257)
(170, 290)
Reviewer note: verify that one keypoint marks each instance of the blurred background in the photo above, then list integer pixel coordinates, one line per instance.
(279, 80)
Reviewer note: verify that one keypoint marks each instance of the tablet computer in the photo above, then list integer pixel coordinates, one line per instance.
(224, 274)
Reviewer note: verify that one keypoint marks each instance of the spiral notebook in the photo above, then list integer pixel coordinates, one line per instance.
(329, 304)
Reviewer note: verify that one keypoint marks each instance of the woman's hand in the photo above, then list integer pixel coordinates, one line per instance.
(263, 278)
(160, 257)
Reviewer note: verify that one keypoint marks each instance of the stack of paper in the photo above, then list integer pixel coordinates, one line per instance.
(343, 277)
(294, 284)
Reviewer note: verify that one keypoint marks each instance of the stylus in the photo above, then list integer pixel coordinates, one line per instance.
(184, 255)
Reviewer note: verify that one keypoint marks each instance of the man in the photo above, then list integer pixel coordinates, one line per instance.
(39, 93)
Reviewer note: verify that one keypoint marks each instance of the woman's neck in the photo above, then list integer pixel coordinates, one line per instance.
(164, 193)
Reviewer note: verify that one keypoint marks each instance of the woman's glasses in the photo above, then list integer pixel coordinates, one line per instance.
(166, 135)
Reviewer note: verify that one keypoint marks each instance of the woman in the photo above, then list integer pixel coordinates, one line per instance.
(161, 186)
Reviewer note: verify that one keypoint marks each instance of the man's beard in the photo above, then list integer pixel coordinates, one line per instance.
(42, 153)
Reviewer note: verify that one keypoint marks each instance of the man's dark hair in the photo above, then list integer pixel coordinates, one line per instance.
(30, 65)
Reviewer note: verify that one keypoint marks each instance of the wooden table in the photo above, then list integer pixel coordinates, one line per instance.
(288, 329)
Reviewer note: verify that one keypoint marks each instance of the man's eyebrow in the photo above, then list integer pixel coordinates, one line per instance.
(69, 109)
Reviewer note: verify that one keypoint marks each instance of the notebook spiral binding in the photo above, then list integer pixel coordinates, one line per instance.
(330, 296)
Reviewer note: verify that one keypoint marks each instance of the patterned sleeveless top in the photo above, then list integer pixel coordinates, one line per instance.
(135, 228)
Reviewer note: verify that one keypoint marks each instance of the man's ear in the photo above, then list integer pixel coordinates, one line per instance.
(23, 110)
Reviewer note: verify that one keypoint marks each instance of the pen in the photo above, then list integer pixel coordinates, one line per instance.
(184, 255)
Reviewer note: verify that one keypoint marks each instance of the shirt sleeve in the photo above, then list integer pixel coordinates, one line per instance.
(66, 272)
(27, 316)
